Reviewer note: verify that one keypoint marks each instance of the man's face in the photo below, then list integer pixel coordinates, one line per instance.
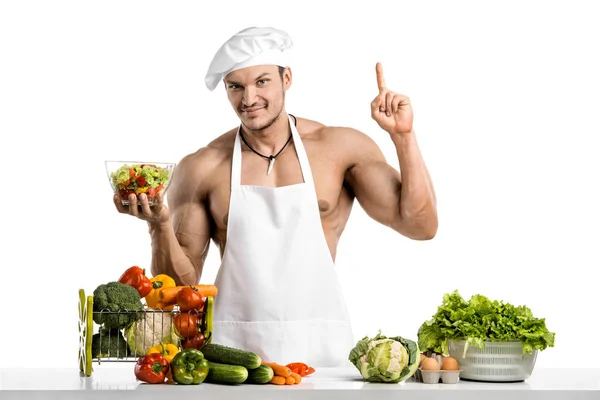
(257, 94)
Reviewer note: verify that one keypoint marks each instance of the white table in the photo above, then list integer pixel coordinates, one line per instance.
(119, 382)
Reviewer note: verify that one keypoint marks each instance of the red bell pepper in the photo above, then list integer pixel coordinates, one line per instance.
(136, 277)
(300, 368)
(151, 368)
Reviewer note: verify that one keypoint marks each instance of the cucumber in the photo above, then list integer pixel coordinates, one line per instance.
(260, 375)
(225, 373)
(228, 355)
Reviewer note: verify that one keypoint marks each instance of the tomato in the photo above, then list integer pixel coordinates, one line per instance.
(195, 342)
(187, 324)
(141, 180)
(189, 298)
(124, 193)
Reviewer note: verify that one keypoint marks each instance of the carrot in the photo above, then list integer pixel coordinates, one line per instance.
(290, 380)
(296, 377)
(279, 370)
(207, 290)
(169, 294)
(278, 380)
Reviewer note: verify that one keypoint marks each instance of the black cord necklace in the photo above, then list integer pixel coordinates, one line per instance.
(271, 158)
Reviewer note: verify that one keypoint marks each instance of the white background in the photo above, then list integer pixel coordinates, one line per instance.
(506, 98)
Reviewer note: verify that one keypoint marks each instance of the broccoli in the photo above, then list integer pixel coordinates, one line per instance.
(109, 343)
(113, 297)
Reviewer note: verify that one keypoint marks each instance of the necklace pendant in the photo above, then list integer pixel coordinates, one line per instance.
(271, 163)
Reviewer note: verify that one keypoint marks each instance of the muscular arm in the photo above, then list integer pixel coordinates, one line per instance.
(180, 245)
(403, 201)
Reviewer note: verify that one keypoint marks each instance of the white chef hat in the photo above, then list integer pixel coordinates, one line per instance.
(249, 47)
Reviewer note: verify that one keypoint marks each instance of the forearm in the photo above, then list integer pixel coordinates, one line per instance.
(417, 206)
(168, 256)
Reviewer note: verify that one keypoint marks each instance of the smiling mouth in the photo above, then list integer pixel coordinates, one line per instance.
(252, 110)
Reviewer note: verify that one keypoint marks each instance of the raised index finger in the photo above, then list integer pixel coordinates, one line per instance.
(380, 79)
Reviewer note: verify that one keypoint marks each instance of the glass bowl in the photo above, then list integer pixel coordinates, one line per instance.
(135, 177)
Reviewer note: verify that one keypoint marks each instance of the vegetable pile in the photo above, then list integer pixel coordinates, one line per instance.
(134, 314)
(160, 323)
(479, 320)
(228, 365)
(217, 364)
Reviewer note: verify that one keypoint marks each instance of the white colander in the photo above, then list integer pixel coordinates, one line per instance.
(497, 362)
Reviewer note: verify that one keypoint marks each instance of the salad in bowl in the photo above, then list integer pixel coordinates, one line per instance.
(150, 178)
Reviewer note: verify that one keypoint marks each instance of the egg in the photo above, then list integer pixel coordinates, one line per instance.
(430, 365)
(423, 357)
(450, 364)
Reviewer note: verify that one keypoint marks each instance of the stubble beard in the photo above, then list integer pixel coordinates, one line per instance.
(270, 122)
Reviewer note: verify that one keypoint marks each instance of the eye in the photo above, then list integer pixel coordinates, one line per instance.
(262, 82)
(234, 86)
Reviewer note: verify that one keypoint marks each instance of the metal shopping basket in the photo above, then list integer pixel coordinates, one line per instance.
(160, 320)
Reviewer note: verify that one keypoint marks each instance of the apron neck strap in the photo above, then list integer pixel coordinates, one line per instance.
(236, 161)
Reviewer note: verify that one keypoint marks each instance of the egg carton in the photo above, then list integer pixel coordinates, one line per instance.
(439, 376)
(448, 376)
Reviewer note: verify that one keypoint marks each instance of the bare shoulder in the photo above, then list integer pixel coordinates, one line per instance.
(203, 161)
(348, 144)
(193, 173)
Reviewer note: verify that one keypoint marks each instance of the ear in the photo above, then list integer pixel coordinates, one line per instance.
(287, 78)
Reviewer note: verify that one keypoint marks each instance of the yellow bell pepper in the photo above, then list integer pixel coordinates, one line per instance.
(159, 282)
(168, 351)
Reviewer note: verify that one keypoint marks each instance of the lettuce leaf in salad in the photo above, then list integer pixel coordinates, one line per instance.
(121, 176)
(154, 176)
(479, 320)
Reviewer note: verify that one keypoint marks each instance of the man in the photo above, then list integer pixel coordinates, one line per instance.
(274, 194)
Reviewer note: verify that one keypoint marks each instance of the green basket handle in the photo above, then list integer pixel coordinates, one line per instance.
(86, 326)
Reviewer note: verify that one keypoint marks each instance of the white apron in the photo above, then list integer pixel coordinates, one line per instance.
(279, 294)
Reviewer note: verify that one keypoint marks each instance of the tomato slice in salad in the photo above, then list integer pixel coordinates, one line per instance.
(124, 193)
(153, 191)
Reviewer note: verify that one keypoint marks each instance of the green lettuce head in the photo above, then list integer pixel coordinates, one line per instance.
(383, 359)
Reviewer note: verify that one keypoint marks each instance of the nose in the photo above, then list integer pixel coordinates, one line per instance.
(249, 97)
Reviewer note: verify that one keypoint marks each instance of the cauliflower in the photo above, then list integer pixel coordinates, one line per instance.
(155, 327)
(384, 359)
